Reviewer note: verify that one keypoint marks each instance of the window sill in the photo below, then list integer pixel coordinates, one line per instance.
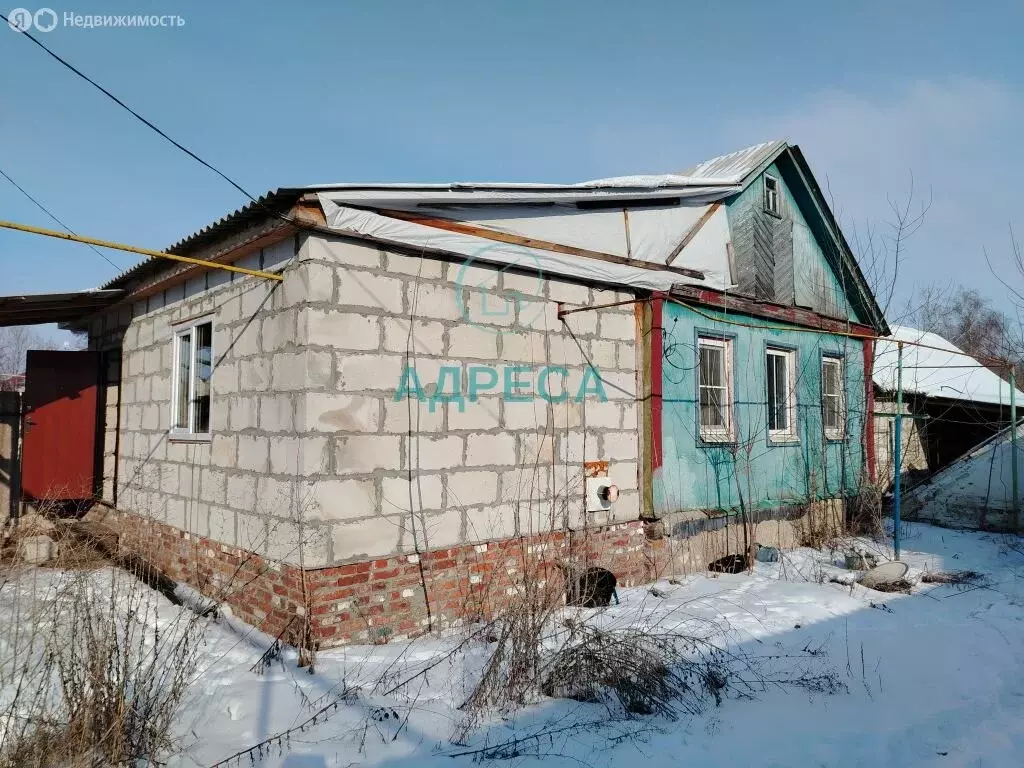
(187, 438)
(835, 437)
(721, 439)
(783, 439)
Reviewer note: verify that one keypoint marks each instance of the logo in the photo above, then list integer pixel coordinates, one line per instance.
(493, 308)
(22, 19)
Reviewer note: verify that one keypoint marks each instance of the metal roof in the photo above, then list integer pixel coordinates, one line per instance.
(36, 309)
(274, 203)
(734, 167)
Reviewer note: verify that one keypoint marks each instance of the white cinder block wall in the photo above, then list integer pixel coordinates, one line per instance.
(480, 470)
(309, 442)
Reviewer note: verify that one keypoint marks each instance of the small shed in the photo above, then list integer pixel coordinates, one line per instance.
(953, 402)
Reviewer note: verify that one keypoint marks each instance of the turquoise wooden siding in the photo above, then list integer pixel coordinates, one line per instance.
(801, 271)
(704, 476)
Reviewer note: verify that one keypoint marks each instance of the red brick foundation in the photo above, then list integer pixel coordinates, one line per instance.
(388, 598)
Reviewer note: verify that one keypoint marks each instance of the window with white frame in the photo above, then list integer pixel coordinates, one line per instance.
(833, 400)
(193, 370)
(780, 375)
(771, 195)
(715, 388)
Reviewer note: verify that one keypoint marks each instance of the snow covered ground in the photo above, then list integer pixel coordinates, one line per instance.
(932, 678)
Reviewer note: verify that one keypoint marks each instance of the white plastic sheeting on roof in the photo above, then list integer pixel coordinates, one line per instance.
(938, 369)
(653, 234)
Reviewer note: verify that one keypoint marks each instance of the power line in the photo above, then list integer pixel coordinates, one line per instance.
(135, 114)
(45, 210)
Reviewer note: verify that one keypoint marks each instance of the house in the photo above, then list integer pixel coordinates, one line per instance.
(401, 384)
(952, 403)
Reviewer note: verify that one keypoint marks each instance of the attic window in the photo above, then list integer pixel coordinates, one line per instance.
(771, 195)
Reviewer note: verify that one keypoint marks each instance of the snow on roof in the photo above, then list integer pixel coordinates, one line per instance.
(735, 166)
(937, 369)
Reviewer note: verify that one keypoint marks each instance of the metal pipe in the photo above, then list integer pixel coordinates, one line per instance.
(143, 251)
(898, 451)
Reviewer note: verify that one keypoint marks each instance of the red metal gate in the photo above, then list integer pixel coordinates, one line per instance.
(60, 425)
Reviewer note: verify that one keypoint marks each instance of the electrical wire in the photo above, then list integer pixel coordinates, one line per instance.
(45, 210)
(135, 114)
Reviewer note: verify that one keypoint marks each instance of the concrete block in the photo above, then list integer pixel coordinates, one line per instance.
(443, 528)
(469, 341)
(244, 340)
(568, 293)
(617, 385)
(535, 449)
(314, 456)
(434, 452)
(241, 492)
(212, 485)
(38, 549)
(253, 453)
(332, 412)
(284, 455)
(223, 452)
(619, 445)
(603, 354)
(363, 289)
(523, 348)
(335, 499)
(524, 284)
(357, 373)
(624, 474)
(404, 416)
(489, 450)
(254, 374)
(311, 283)
(466, 488)
(526, 482)
(339, 330)
(360, 454)
(484, 413)
(616, 325)
(279, 331)
(532, 414)
(422, 267)
(540, 316)
(289, 371)
(252, 532)
(629, 415)
(627, 356)
(364, 539)
(243, 412)
(274, 497)
(344, 252)
(276, 413)
(427, 336)
(221, 525)
(294, 543)
(426, 493)
(582, 324)
(491, 523)
(598, 415)
(435, 302)
(319, 368)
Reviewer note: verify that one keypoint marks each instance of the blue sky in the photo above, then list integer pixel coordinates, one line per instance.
(279, 94)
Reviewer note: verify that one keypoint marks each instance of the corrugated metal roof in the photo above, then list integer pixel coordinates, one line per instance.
(735, 166)
(274, 203)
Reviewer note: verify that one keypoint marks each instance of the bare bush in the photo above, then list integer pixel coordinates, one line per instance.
(865, 515)
(98, 677)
